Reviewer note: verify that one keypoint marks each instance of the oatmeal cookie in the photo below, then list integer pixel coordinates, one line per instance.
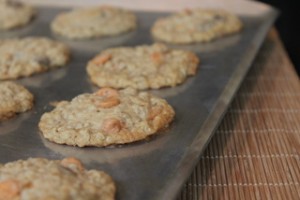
(142, 67)
(31, 55)
(14, 14)
(106, 117)
(14, 99)
(38, 178)
(94, 22)
(197, 25)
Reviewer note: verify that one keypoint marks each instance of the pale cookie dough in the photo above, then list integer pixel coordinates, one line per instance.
(31, 55)
(197, 25)
(14, 99)
(142, 67)
(38, 178)
(94, 22)
(14, 14)
(106, 117)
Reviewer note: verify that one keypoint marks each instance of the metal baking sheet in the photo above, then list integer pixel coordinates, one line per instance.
(158, 167)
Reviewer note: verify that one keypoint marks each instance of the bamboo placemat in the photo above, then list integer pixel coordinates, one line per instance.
(255, 152)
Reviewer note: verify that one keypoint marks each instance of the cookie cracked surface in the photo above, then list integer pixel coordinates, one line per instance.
(31, 55)
(106, 117)
(142, 67)
(94, 22)
(14, 99)
(14, 14)
(196, 25)
(38, 178)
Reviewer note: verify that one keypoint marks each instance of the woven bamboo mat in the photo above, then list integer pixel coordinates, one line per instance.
(255, 152)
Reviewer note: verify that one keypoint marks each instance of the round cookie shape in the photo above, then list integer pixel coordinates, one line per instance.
(94, 22)
(14, 99)
(142, 67)
(39, 178)
(31, 55)
(14, 14)
(106, 117)
(197, 25)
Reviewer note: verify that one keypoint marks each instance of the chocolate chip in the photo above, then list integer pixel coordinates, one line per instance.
(44, 61)
(14, 4)
(218, 17)
(63, 168)
(210, 23)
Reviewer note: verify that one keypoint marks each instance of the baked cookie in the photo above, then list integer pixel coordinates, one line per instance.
(106, 117)
(14, 14)
(197, 25)
(38, 178)
(94, 22)
(142, 67)
(14, 99)
(31, 55)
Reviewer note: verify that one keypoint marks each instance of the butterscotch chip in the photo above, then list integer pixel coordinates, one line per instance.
(142, 67)
(94, 22)
(14, 99)
(84, 122)
(31, 55)
(110, 97)
(112, 125)
(14, 14)
(73, 164)
(9, 189)
(197, 25)
(38, 178)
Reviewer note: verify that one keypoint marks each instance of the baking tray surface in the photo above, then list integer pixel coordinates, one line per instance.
(155, 168)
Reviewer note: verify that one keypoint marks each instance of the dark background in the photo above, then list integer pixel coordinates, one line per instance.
(288, 27)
